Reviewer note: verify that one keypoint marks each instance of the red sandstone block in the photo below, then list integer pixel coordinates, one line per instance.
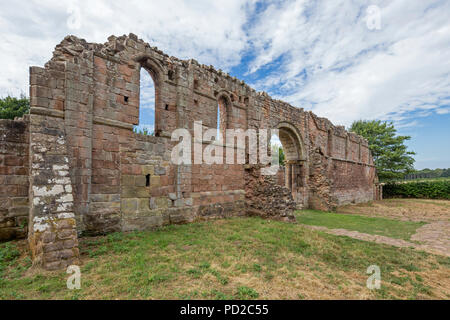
(99, 62)
(10, 190)
(6, 170)
(164, 180)
(13, 160)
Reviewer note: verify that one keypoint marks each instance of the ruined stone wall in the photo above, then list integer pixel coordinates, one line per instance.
(269, 199)
(281, 176)
(341, 167)
(14, 144)
(52, 233)
(84, 104)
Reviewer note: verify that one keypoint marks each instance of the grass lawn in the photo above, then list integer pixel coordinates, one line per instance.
(379, 226)
(238, 258)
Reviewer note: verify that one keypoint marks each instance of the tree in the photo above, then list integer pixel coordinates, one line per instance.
(446, 173)
(281, 156)
(391, 157)
(11, 107)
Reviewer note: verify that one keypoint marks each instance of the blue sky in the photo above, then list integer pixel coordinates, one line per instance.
(344, 60)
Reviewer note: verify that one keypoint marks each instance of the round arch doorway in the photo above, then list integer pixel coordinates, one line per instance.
(294, 162)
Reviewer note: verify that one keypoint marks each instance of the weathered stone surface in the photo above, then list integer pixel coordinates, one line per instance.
(14, 168)
(76, 163)
(266, 198)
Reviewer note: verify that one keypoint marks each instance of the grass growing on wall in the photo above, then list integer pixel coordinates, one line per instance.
(436, 189)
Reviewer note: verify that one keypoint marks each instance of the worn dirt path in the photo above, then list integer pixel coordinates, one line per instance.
(435, 247)
(433, 237)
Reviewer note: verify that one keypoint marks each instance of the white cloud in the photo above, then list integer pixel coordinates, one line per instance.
(319, 55)
(351, 71)
(443, 111)
(209, 31)
(147, 92)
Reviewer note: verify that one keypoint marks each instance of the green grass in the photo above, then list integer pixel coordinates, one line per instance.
(378, 226)
(238, 258)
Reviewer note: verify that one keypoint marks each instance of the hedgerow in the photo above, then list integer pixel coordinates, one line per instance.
(423, 189)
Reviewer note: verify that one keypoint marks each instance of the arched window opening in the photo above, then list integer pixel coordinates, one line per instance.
(218, 135)
(146, 124)
(221, 119)
(277, 153)
(276, 147)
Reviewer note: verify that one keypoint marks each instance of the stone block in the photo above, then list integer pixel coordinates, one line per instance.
(160, 170)
(172, 196)
(129, 205)
(155, 181)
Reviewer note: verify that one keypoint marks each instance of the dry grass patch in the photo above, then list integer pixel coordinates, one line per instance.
(402, 209)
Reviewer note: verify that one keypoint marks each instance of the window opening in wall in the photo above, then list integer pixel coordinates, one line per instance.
(147, 180)
(218, 123)
(221, 119)
(275, 145)
(146, 124)
(170, 75)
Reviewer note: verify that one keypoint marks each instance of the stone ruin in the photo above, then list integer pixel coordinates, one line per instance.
(74, 166)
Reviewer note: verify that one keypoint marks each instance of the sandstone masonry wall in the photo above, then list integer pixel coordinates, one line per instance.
(14, 144)
(91, 174)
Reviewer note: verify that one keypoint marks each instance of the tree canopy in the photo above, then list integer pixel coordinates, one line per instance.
(11, 107)
(390, 154)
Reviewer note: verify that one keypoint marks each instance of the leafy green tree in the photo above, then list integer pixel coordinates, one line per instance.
(11, 107)
(446, 173)
(390, 154)
(281, 156)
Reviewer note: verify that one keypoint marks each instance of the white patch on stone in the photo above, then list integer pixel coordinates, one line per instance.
(64, 180)
(65, 198)
(64, 207)
(66, 215)
(36, 201)
(43, 191)
(38, 157)
(40, 224)
(57, 167)
(68, 188)
(63, 173)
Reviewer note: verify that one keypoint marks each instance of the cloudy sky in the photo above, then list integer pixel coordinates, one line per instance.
(345, 60)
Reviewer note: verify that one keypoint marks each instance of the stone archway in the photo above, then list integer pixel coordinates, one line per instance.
(295, 161)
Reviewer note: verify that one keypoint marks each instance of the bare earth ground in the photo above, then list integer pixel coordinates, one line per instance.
(433, 237)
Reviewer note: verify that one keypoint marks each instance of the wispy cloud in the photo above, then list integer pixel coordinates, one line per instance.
(147, 92)
(319, 55)
(333, 64)
(210, 31)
